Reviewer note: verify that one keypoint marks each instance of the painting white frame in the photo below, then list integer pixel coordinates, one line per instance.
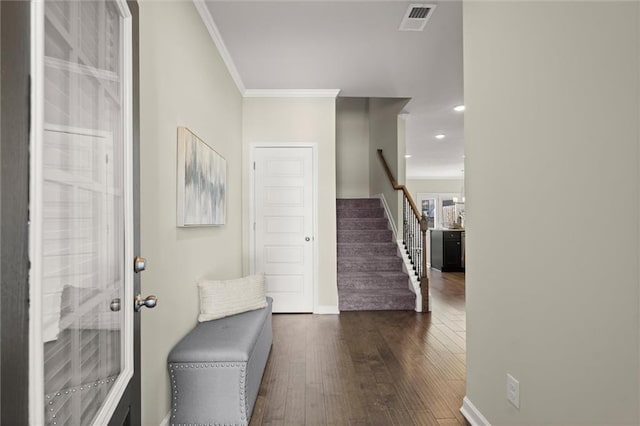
(201, 182)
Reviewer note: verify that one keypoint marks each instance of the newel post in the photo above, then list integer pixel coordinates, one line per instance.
(424, 279)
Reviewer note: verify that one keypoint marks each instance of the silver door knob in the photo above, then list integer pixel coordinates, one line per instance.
(139, 264)
(149, 302)
(307, 238)
(115, 305)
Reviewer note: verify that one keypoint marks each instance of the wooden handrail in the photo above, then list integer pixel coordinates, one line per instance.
(397, 187)
(422, 222)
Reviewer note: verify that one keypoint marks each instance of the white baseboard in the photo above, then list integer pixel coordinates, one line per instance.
(326, 310)
(472, 414)
(166, 420)
(387, 213)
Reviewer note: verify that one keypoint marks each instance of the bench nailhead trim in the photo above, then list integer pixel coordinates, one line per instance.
(243, 400)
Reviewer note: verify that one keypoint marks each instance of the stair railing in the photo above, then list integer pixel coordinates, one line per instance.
(414, 234)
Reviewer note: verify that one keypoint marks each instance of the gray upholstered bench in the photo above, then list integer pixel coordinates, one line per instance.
(216, 369)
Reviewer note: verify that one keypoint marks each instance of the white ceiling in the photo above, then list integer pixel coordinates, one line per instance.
(355, 46)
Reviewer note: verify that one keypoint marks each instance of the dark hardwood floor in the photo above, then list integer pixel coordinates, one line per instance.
(369, 368)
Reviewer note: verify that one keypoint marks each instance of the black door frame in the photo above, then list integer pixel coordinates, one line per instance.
(15, 39)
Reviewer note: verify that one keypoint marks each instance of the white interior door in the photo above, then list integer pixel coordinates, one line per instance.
(284, 224)
(81, 230)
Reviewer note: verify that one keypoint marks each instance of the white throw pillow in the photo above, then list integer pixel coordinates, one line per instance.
(222, 298)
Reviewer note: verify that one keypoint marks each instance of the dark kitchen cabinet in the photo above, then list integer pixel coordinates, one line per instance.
(447, 250)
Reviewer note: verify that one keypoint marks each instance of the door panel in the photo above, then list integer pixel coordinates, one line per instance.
(81, 200)
(16, 111)
(283, 203)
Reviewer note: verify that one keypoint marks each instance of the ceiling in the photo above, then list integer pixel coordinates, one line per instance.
(355, 46)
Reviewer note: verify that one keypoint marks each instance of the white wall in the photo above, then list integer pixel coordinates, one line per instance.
(450, 186)
(383, 133)
(551, 91)
(183, 82)
(284, 120)
(352, 148)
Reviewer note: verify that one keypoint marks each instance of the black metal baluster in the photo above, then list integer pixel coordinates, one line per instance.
(419, 259)
(416, 261)
(411, 241)
(404, 224)
(411, 237)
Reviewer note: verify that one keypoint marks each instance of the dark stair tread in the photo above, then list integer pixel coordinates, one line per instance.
(372, 282)
(362, 224)
(367, 300)
(369, 259)
(377, 292)
(360, 231)
(367, 232)
(380, 244)
(373, 243)
(363, 219)
(359, 201)
(373, 274)
(377, 210)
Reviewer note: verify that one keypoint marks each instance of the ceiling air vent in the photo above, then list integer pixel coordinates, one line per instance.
(416, 17)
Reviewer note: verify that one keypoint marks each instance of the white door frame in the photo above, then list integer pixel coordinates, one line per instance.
(252, 206)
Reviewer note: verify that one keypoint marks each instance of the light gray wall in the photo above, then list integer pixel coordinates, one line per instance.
(183, 82)
(352, 148)
(383, 134)
(290, 120)
(552, 167)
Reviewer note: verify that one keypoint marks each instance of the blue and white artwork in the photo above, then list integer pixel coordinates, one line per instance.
(202, 182)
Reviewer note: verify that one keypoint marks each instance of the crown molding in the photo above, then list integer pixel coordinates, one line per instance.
(206, 17)
(291, 93)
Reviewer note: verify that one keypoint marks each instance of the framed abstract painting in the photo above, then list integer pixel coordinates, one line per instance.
(202, 182)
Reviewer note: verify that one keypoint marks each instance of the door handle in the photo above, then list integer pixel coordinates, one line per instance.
(139, 264)
(307, 238)
(149, 302)
(115, 305)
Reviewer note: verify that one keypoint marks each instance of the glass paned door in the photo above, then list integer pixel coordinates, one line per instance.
(81, 207)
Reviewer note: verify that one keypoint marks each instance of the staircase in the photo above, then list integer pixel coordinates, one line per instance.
(370, 274)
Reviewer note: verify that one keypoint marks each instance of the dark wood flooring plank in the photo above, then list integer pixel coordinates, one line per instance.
(314, 413)
(276, 387)
(424, 418)
(402, 418)
(295, 404)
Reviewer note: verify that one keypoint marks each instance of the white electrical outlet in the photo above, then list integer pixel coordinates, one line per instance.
(513, 391)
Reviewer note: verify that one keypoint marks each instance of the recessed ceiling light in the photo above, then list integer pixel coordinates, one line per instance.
(459, 108)
(440, 136)
(407, 156)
